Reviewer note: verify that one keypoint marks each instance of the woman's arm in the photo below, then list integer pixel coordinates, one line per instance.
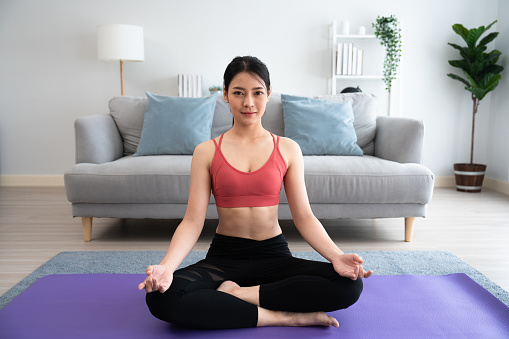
(187, 233)
(348, 265)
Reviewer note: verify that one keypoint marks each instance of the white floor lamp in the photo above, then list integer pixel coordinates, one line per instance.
(120, 43)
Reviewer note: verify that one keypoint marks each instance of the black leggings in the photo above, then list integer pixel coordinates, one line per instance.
(286, 284)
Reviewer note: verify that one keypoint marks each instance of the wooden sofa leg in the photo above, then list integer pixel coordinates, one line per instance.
(409, 228)
(87, 228)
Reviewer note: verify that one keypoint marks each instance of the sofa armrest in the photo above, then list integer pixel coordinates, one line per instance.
(399, 139)
(97, 139)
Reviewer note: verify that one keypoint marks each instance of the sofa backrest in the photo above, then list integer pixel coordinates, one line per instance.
(128, 113)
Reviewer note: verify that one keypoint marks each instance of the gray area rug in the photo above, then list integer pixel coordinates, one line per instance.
(381, 262)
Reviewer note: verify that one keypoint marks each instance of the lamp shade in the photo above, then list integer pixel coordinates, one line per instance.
(120, 42)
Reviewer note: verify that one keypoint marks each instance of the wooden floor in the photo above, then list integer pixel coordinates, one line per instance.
(36, 224)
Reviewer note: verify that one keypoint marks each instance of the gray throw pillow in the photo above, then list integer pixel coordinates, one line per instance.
(364, 111)
(128, 113)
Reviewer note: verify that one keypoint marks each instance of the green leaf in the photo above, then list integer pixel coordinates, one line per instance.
(477, 92)
(492, 57)
(458, 47)
(488, 38)
(489, 26)
(464, 52)
(473, 83)
(461, 64)
(473, 35)
(492, 87)
(457, 77)
(489, 80)
(495, 69)
(476, 71)
(486, 85)
(460, 30)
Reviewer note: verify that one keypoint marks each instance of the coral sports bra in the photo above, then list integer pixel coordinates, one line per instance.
(234, 188)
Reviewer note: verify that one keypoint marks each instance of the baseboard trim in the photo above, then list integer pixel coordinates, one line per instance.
(32, 180)
(494, 184)
(445, 182)
(497, 185)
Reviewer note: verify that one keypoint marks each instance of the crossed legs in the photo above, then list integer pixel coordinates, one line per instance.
(272, 292)
(276, 318)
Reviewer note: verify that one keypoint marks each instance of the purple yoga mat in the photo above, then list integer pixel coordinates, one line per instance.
(396, 306)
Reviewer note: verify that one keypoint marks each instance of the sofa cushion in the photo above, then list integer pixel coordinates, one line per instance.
(165, 179)
(367, 179)
(161, 179)
(174, 125)
(364, 111)
(129, 112)
(320, 127)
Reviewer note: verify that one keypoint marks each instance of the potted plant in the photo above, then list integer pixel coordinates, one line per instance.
(389, 33)
(482, 76)
(215, 89)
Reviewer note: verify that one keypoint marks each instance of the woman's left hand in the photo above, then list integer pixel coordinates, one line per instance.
(349, 265)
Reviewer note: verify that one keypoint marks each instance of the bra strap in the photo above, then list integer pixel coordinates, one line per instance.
(221, 140)
(275, 138)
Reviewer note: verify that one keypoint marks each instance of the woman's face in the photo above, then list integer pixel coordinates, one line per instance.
(248, 97)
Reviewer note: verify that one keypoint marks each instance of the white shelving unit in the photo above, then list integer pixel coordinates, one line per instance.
(372, 66)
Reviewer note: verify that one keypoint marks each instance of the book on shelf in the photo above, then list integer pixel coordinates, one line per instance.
(349, 59)
(360, 61)
(339, 59)
(345, 59)
(180, 82)
(189, 85)
(354, 61)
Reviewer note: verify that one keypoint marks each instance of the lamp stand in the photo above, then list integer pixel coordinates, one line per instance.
(122, 76)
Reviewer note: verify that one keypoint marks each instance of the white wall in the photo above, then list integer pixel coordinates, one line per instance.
(499, 125)
(50, 75)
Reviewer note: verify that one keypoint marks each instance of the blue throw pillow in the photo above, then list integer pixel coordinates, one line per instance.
(320, 127)
(175, 125)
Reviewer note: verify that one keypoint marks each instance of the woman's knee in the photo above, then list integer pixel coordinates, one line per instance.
(162, 306)
(346, 292)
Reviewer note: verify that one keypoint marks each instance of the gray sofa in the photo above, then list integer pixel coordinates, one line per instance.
(388, 181)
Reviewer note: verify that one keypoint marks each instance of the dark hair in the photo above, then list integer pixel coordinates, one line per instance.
(247, 64)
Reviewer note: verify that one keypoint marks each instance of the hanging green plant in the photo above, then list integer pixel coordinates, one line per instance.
(387, 30)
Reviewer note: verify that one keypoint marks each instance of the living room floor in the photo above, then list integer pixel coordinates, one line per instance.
(36, 224)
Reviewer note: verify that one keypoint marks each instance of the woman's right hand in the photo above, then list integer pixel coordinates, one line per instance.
(159, 278)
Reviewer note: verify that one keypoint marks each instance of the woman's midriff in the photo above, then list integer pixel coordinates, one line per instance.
(257, 223)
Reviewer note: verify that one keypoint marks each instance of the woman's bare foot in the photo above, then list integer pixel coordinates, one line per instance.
(313, 319)
(228, 286)
(278, 318)
(250, 294)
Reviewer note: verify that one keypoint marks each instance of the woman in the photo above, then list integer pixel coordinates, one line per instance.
(249, 277)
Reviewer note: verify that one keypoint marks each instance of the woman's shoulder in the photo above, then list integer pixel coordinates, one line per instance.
(289, 145)
(205, 150)
(290, 150)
